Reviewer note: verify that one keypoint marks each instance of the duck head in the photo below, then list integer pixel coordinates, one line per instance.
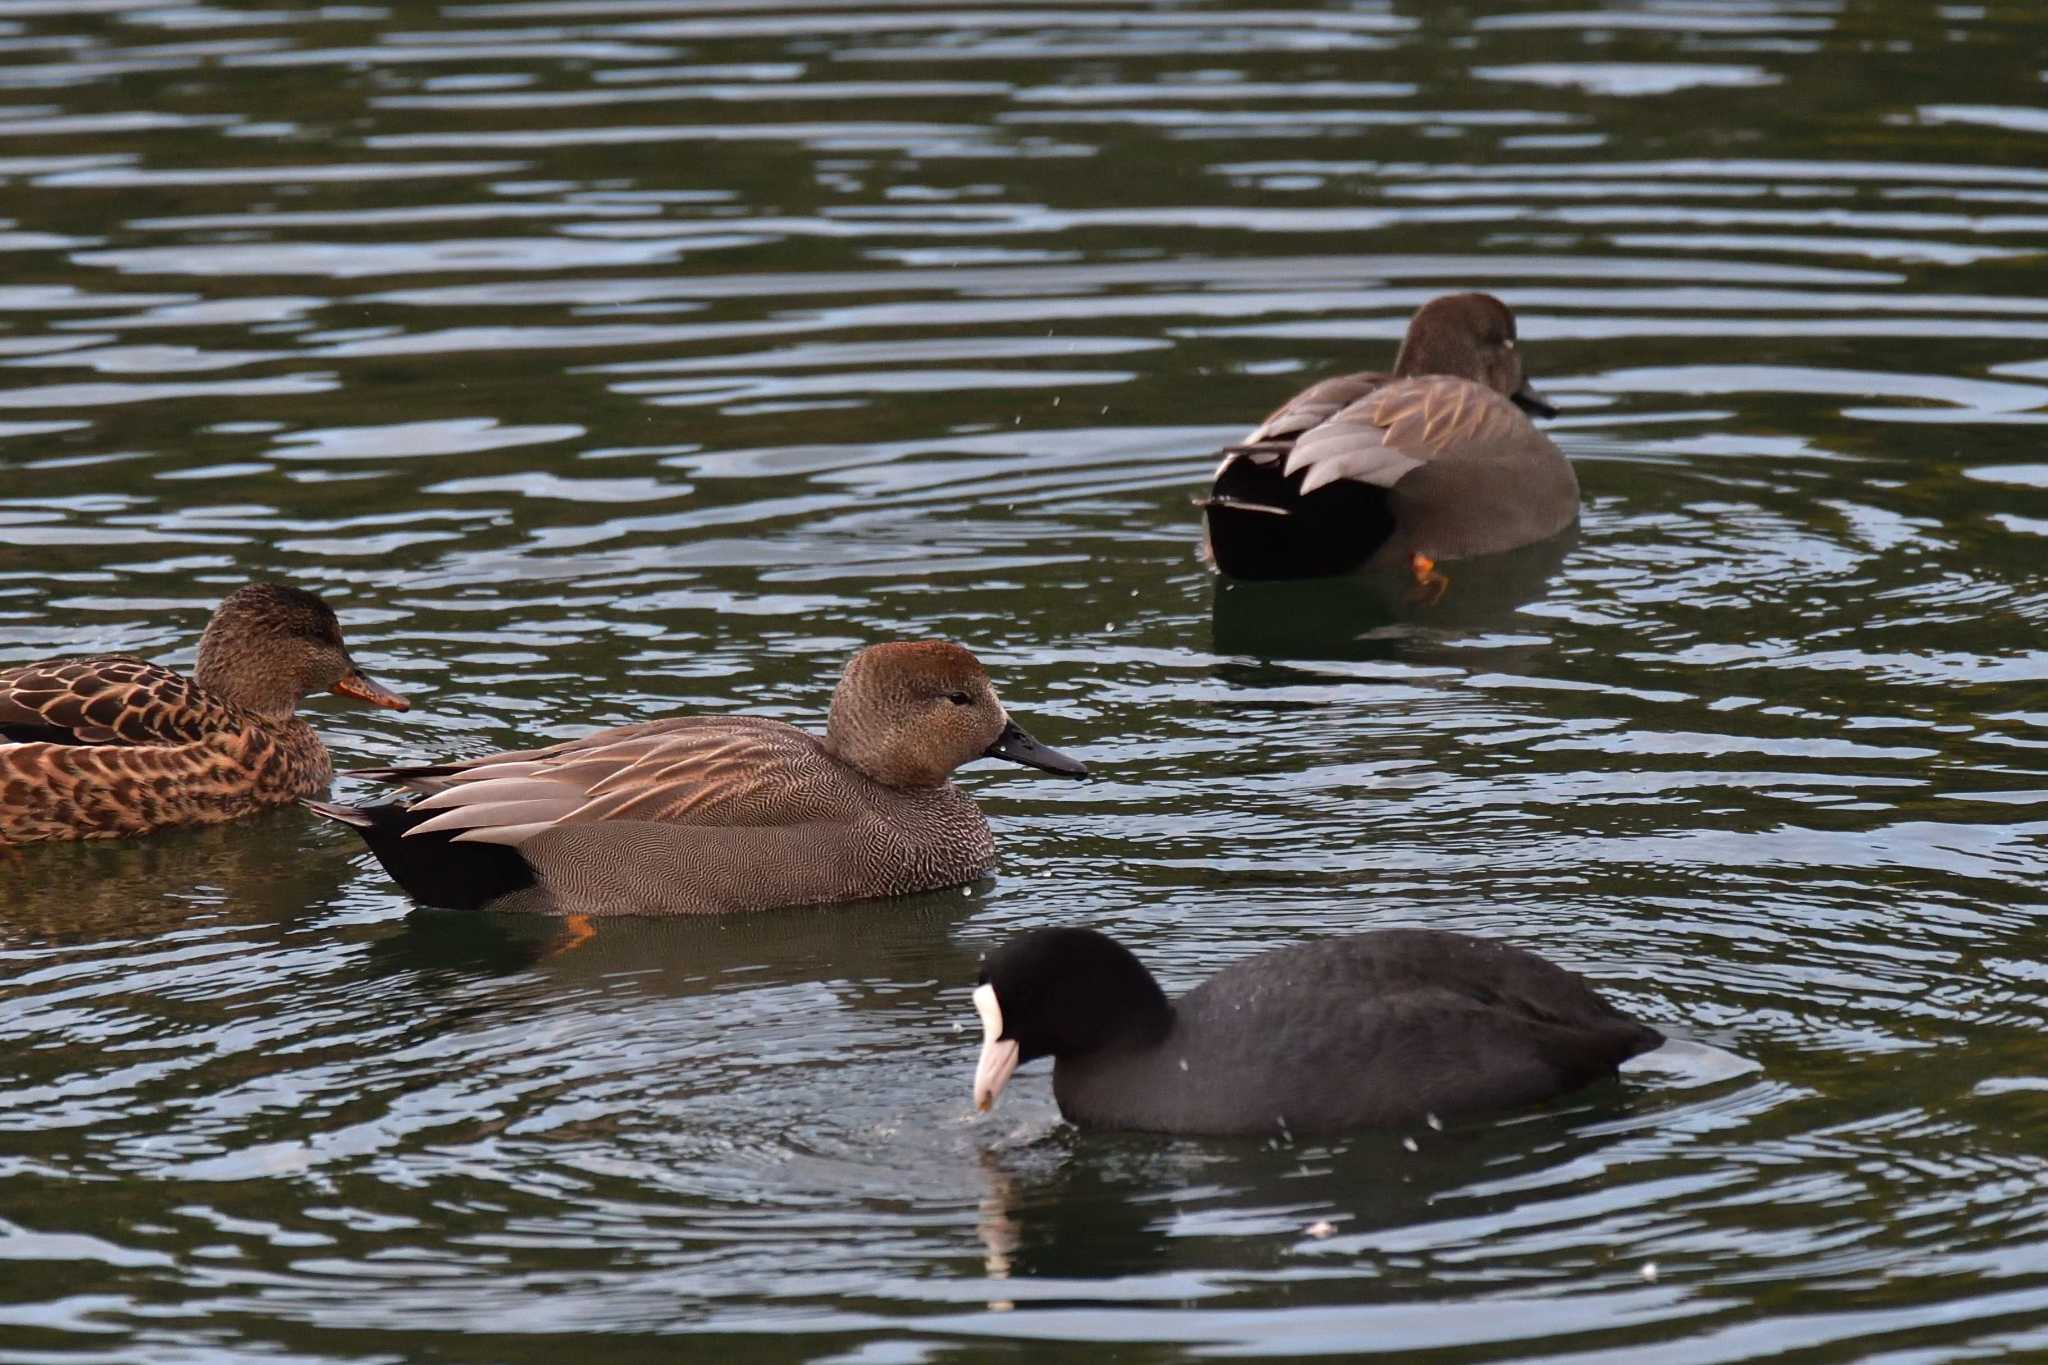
(1471, 336)
(1061, 993)
(267, 646)
(908, 713)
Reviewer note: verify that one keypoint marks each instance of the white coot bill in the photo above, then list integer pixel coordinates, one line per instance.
(998, 1055)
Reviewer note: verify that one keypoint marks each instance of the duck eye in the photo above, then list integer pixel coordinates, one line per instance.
(960, 699)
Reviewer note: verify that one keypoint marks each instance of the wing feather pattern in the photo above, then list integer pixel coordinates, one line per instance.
(117, 701)
(687, 770)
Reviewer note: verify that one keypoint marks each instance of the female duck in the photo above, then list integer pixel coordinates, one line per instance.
(701, 814)
(1434, 461)
(1367, 1031)
(103, 747)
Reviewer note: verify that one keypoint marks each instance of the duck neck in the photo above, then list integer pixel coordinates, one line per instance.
(869, 749)
(233, 673)
(1419, 356)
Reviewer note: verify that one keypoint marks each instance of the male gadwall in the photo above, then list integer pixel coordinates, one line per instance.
(1368, 1031)
(104, 747)
(1435, 461)
(701, 814)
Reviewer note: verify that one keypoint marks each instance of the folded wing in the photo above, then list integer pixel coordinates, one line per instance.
(1402, 426)
(689, 770)
(106, 701)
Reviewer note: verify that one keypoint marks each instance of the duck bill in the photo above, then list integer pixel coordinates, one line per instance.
(998, 1054)
(1016, 746)
(1532, 402)
(357, 684)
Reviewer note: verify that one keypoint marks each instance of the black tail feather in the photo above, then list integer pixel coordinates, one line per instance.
(403, 774)
(432, 868)
(1260, 526)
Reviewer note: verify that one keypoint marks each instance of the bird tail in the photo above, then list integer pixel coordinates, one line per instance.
(352, 816)
(432, 868)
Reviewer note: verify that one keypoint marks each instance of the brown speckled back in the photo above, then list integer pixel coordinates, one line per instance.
(100, 748)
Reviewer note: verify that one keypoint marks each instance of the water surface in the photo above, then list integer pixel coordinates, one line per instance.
(603, 360)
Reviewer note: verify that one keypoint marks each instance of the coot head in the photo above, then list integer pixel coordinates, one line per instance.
(1061, 993)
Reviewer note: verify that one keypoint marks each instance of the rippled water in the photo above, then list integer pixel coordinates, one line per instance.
(606, 359)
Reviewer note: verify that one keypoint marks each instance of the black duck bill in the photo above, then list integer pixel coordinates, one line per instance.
(1018, 747)
(1535, 404)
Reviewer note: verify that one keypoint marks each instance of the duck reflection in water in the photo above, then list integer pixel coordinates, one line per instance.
(1365, 615)
(680, 955)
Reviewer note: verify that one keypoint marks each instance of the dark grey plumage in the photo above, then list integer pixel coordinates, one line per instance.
(1366, 1031)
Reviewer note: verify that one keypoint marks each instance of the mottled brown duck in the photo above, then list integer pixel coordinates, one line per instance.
(99, 748)
(1435, 461)
(705, 814)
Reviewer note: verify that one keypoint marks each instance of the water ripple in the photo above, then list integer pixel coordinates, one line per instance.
(602, 360)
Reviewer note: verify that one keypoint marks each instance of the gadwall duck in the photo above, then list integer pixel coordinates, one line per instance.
(1368, 1031)
(702, 814)
(1435, 461)
(99, 748)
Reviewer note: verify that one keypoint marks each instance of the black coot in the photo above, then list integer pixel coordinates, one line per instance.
(1371, 1030)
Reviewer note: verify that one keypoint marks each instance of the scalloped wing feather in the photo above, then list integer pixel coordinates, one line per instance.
(102, 791)
(118, 701)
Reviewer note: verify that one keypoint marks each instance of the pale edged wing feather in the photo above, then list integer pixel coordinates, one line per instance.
(1403, 426)
(1313, 406)
(112, 700)
(1348, 447)
(693, 770)
(510, 835)
(1270, 442)
(1440, 417)
(605, 748)
(497, 814)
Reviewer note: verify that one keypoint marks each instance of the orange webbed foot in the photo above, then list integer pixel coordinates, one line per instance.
(1430, 586)
(577, 930)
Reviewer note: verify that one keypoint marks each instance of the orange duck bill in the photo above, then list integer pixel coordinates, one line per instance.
(358, 684)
